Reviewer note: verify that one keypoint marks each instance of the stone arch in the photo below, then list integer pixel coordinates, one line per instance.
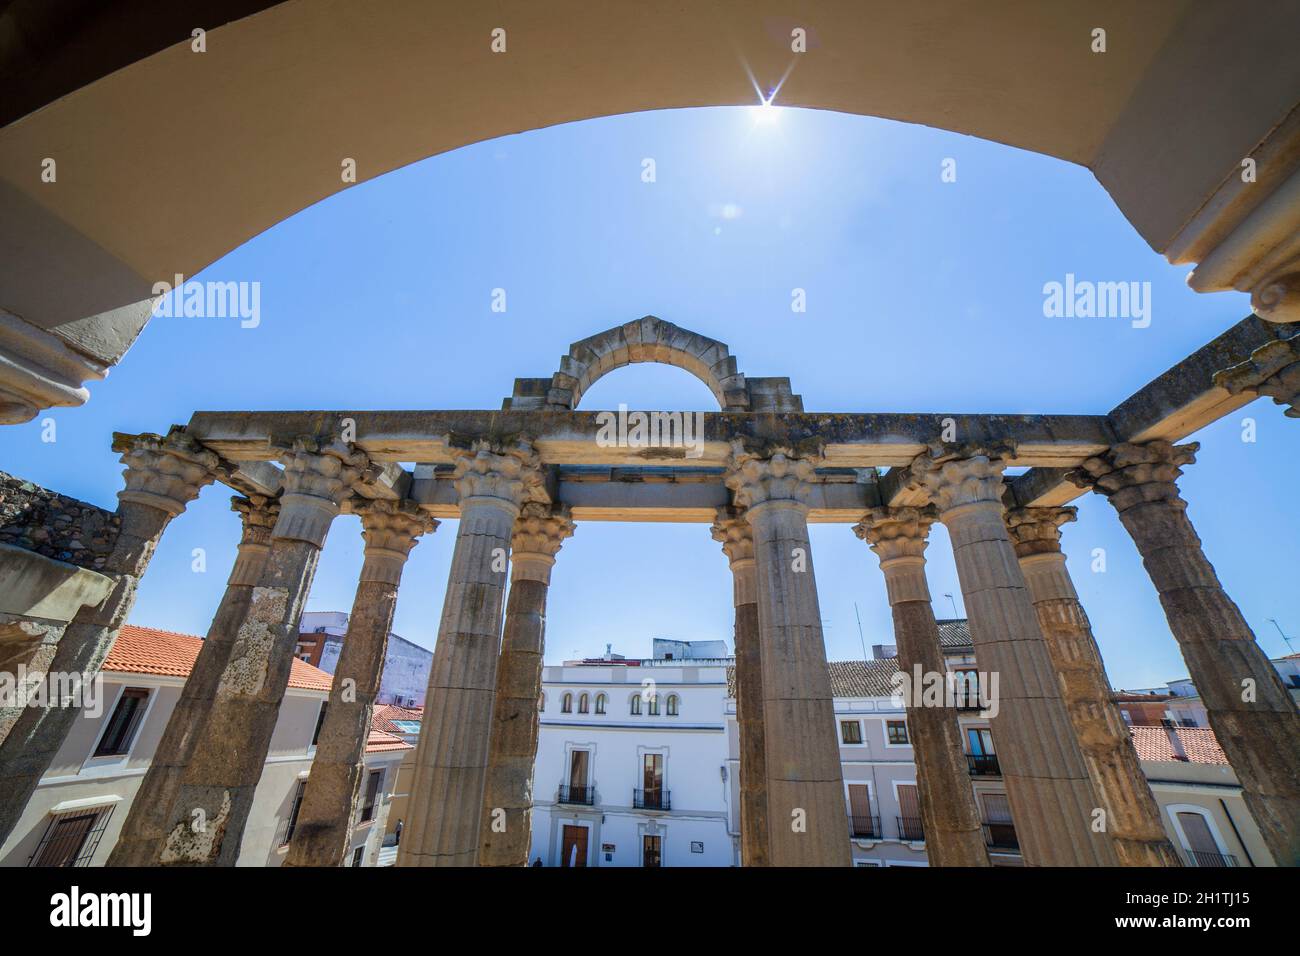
(651, 339)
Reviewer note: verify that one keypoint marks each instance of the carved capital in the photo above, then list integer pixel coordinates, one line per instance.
(540, 530)
(1131, 474)
(733, 531)
(391, 527)
(1273, 370)
(166, 473)
(777, 474)
(896, 532)
(258, 514)
(1037, 530)
(962, 476)
(318, 478)
(508, 472)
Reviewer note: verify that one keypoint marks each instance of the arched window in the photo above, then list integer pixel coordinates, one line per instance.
(672, 705)
(653, 708)
(635, 707)
(600, 703)
(566, 704)
(583, 703)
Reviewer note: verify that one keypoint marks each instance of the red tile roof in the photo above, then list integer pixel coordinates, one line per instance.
(1153, 743)
(381, 719)
(380, 742)
(147, 650)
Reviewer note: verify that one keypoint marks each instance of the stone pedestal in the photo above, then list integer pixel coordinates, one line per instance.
(163, 474)
(733, 531)
(1133, 815)
(140, 841)
(506, 822)
(323, 832)
(1253, 716)
(949, 817)
(1052, 799)
(493, 482)
(807, 815)
(206, 822)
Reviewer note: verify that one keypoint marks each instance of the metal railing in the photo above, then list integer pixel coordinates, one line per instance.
(984, 765)
(71, 839)
(582, 796)
(867, 827)
(1001, 836)
(652, 800)
(909, 828)
(1202, 858)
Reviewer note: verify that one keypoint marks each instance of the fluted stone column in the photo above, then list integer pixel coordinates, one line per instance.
(1051, 795)
(732, 529)
(1253, 716)
(207, 820)
(493, 481)
(323, 832)
(140, 841)
(506, 822)
(807, 823)
(951, 822)
(1133, 816)
(163, 474)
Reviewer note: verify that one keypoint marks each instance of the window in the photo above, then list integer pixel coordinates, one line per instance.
(320, 723)
(896, 732)
(122, 725)
(566, 704)
(373, 783)
(293, 813)
(966, 689)
(71, 838)
(583, 704)
(652, 705)
(600, 703)
(357, 854)
(851, 731)
(672, 705)
(635, 706)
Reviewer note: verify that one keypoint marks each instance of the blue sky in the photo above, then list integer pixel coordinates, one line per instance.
(922, 296)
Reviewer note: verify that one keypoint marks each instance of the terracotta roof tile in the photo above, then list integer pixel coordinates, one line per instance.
(1198, 743)
(147, 650)
(380, 742)
(849, 678)
(382, 717)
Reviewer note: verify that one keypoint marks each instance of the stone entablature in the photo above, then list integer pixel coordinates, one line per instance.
(56, 526)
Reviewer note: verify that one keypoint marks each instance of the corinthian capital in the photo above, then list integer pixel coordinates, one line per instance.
(773, 474)
(1131, 474)
(1037, 530)
(321, 469)
(733, 531)
(509, 472)
(1273, 370)
(966, 475)
(258, 514)
(540, 529)
(166, 473)
(896, 532)
(391, 527)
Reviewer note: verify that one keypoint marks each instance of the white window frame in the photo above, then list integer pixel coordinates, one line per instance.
(884, 731)
(839, 731)
(93, 765)
(1174, 809)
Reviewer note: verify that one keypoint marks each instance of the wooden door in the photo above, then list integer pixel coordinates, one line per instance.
(573, 846)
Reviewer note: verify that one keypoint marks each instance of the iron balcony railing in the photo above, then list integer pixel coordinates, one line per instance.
(652, 800)
(1201, 858)
(984, 765)
(582, 796)
(865, 827)
(909, 828)
(1001, 836)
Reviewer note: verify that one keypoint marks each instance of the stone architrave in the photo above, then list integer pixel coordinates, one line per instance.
(1056, 810)
(207, 820)
(506, 821)
(807, 815)
(323, 831)
(732, 529)
(1253, 716)
(163, 475)
(1273, 370)
(1134, 816)
(493, 480)
(140, 841)
(949, 818)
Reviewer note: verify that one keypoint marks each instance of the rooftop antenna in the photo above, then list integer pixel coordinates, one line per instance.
(1274, 622)
(860, 636)
(955, 615)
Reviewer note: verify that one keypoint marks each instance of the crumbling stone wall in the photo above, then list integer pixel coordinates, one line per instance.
(59, 527)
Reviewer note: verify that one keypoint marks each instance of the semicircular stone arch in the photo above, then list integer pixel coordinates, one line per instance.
(651, 339)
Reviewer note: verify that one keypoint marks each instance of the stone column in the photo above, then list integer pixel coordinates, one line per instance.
(506, 822)
(1133, 817)
(323, 832)
(140, 841)
(807, 819)
(1051, 795)
(951, 822)
(206, 822)
(163, 475)
(733, 530)
(1253, 716)
(493, 481)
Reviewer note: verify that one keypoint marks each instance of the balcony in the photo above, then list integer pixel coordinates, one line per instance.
(984, 765)
(579, 796)
(909, 828)
(1001, 836)
(652, 800)
(865, 828)
(1201, 858)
